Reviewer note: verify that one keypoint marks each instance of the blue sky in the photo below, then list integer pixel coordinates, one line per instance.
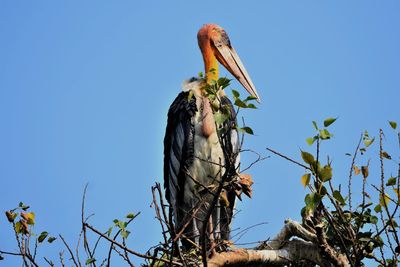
(85, 87)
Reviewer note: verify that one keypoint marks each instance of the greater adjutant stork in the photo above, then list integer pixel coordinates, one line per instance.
(194, 155)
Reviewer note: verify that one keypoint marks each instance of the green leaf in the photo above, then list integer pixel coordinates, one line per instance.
(393, 124)
(125, 233)
(89, 261)
(121, 224)
(338, 196)
(378, 208)
(305, 179)
(329, 121)
(325, 134)
(315, 167)
(326, 173)
(307, 157)
(246, 129)
(368, 142)
(251, 105)
(18, 227)
(374, 219)
(42, 236)
(235, 93)
(249, 98)
(392, 221)
(30, 218)
(23, 206)
(364, 239)
(220, 118)
(315, 125)
(311, 140)
(200, 74)
(384, 200)
(109, 231)
(130, 216)
(240, 103)
(312, 201)
(223, 82)
(322, 191)
(116, 221)
(391, 181)
(51, 239)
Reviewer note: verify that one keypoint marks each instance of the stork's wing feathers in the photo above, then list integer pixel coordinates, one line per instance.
(178, 146)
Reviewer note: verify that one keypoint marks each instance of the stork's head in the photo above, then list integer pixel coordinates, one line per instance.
(215, 45)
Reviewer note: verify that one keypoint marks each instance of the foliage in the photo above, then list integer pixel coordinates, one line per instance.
(222, 111)
(367, 230)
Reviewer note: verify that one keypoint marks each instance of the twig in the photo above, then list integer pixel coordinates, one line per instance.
(170, 225)
(120, 254)
(396, 238)
(77, 248)
(259, 159)
(22, 255)
(20, 246)
(35, 250)
(10, 253)
(128, 260)
(85, 241)
(244, 231)
(69, 250)
(351, 170)
(61, 254)
(49, 262)
(127, 249)
(289, 159)
(115, 237)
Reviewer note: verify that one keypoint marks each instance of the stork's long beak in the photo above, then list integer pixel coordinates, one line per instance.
(228, 57)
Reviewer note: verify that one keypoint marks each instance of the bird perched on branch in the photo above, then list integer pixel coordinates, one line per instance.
(201, 145)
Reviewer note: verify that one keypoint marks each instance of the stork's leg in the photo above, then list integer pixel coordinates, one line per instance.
(217, 221)
(211, 231)
(196, 232)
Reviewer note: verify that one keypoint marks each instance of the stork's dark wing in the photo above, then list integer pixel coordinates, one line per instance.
(178, 146)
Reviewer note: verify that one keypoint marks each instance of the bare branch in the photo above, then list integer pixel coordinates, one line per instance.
(289, 159)
(69, 250)
(127, 249)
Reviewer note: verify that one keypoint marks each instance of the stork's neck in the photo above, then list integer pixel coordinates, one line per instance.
(210, 64)
(211, 68)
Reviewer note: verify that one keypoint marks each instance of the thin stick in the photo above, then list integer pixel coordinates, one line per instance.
(289, 159)
(85, 241)
(115, 237)
(127, 249)
(351, 170)
(69, 250)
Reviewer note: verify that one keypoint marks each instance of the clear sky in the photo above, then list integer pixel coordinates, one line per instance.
(85, 87)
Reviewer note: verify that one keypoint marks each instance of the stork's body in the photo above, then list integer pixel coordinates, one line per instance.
(194, 158)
